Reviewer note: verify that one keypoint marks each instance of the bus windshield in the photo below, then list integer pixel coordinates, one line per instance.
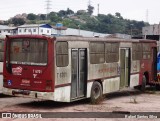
(28, 51)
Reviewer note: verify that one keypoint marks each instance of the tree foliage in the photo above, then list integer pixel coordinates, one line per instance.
(113, 24)
(102, 23)
(18, 21)
(90, 9)
(31, 16)
(42, 17)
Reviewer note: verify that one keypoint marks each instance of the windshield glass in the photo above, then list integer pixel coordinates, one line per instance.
(28, 51)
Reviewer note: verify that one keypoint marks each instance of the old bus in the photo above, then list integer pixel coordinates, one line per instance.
(1, 60)
(70, 68)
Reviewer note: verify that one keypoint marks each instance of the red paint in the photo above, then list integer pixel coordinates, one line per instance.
(146, 65)
(29, 77)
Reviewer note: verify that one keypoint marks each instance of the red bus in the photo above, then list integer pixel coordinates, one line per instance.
(70, 68)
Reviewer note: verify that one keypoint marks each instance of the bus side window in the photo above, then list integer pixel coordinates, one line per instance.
(97, 52)
(62, 54)
(137, 51)
(112, 52)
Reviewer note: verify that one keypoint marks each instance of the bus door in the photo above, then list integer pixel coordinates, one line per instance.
(79, 73)
(125, 61)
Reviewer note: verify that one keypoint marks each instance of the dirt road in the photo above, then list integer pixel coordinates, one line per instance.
(125, 101)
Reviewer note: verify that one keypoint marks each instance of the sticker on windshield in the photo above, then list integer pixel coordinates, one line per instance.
(25, 45)
(16, 49)
(17, 70)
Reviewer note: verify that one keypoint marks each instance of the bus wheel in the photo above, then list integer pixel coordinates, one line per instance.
(143, 86)
(96, 93)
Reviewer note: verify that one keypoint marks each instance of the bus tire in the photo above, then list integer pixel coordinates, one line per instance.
(143, 86)
(96, 93)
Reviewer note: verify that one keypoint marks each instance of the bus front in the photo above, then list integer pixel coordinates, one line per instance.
(28, 66)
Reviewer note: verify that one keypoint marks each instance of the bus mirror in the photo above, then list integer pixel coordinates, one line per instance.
(9, 67)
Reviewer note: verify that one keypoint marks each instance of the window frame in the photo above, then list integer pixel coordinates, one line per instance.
(148, 51)
(135, 51)
(96, 53)
(26, 63)
(111, 52)
(57, 54)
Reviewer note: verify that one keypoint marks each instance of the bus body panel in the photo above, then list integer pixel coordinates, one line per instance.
(111, 85)
(28, 78)
(31, 77)
(71, 71)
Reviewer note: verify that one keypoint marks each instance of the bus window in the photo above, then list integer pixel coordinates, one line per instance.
(97, 52)
(112, 52)
(146, 51)
(137, 51)
(28, 51)
(62, 54)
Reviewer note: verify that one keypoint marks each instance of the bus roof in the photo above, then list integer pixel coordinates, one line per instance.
(73, 38)
(81, 38)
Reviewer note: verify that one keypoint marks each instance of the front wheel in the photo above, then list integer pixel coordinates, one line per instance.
(96, 93)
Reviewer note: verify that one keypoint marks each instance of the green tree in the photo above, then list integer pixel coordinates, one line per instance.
(42, 17)
(31, 16)
(18, 21)
(81, 12)
(62, 13)
(118, 15)
(53, 17)
(90, 9)
(69, 11)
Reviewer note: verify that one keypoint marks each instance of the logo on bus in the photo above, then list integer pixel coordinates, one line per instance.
(9, 82)
(17, 70)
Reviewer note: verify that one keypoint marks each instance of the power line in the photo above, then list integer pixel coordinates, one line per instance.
(48, 4)
(98, 9)
(89, 3)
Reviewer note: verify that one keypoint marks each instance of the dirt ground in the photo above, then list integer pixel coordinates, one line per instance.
(120, 102)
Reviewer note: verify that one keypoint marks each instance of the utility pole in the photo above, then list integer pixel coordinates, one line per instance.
(98, 9)
(48, 4)
(89, 2)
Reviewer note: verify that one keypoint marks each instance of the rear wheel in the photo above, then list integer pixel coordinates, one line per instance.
(96, 93)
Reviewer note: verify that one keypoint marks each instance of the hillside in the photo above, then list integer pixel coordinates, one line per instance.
(82, 20)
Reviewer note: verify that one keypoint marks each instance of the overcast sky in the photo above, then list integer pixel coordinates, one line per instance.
(130, 9)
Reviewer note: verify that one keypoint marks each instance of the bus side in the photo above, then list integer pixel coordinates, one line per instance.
(111, 66)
